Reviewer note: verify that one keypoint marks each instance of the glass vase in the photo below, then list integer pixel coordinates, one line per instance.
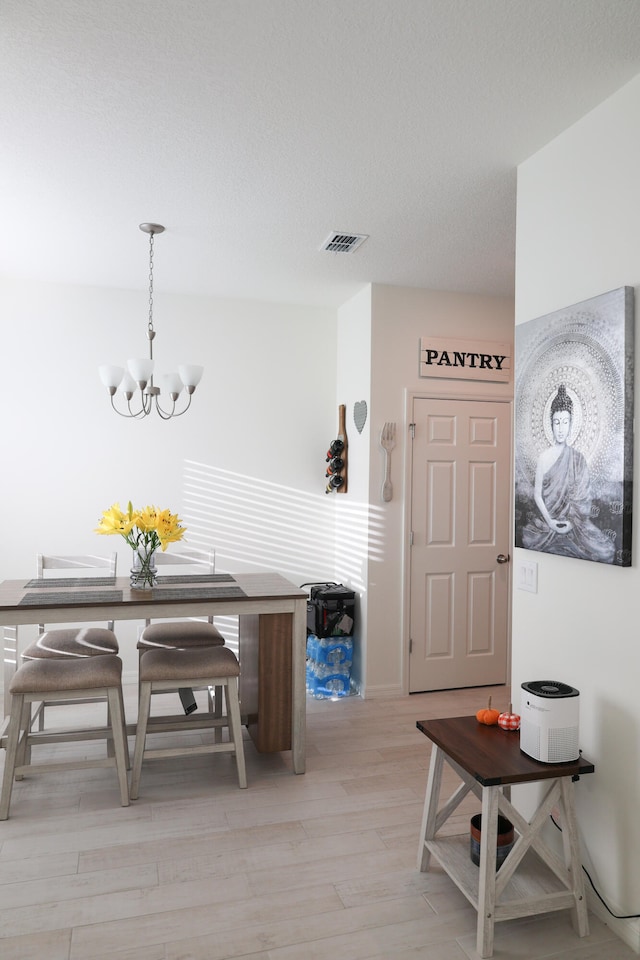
(144, 574)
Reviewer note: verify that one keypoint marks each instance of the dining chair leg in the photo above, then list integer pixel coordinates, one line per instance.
(110, 744)
(144, 707)
(111, 752)
(123, 720)
(13, 736)
(23, 750)
(120, 748)
(214, 700)
(235, 727)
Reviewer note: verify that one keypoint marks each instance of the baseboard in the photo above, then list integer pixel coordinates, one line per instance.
(627, 930)
(380, 692)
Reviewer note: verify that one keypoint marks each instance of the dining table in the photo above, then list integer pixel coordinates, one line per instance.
(272, 616)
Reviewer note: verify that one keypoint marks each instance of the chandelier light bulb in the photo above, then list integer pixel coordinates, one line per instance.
(172, 383)
(137, 379)
(190, 375)
(111, 376)
(127, 386)
(141, 371)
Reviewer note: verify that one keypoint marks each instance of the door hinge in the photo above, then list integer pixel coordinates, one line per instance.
(412, 430)
(411, 538)
(410, 644)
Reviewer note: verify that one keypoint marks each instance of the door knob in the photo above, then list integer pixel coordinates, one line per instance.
(503, 558)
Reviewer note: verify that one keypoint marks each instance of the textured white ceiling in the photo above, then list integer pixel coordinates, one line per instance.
(252, 128)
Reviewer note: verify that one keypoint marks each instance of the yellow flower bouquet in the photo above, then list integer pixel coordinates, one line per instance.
(144, 530)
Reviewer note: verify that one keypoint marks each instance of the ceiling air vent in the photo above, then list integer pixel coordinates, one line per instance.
(343, 242)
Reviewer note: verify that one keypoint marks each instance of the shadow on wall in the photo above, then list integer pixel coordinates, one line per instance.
(615, 754)
(253, 523)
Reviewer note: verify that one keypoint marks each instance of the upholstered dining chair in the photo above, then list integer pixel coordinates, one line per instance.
(75, 641)
(187, 566)
(197, 668)
(69, 681)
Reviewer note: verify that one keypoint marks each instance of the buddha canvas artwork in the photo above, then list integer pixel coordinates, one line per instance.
(574, 430)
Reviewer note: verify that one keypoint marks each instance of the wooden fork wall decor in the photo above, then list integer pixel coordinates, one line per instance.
(387, 442)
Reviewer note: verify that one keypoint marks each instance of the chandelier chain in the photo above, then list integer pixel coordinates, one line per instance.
(150, 324)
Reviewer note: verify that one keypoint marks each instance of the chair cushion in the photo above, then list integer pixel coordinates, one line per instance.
(72, 642)
(199, 663)
(50, 675)
(178, 635)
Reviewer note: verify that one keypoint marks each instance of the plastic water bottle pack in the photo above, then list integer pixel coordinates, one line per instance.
(329, 666)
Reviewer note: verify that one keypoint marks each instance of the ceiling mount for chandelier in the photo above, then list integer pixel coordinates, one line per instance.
(139, 373)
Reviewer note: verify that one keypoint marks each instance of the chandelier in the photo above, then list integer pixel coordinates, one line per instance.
(139, 373)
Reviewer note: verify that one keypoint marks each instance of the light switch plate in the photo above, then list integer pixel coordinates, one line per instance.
(527, 578)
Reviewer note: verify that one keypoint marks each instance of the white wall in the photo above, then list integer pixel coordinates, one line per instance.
(352, 548)
(577, 236)
(397, 318)
(243, 467)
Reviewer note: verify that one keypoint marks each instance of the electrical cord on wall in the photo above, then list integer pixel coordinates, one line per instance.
(618, 916)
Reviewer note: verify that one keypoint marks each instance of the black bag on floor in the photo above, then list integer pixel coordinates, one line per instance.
(330, 610)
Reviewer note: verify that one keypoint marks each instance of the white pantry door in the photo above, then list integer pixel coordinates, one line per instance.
(460, 519)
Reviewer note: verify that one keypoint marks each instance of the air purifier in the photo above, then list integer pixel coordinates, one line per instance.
(549, 717)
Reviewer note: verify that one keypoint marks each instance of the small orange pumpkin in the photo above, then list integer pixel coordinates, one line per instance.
(487, 715)
(509, 720)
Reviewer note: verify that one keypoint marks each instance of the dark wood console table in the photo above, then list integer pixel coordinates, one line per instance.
(488, 760)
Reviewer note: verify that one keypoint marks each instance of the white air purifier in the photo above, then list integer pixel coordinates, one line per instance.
(549, 719)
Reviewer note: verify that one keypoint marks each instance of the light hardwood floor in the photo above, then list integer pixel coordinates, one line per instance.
(305, 867)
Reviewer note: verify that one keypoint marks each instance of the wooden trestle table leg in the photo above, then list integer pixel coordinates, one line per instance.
(430, 812)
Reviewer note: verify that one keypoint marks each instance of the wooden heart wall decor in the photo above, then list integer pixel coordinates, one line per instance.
(360, 414)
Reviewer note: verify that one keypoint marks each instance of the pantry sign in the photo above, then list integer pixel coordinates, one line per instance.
(465, 359)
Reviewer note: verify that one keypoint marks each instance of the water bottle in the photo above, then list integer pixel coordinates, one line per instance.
(328, 651)
(312, 647)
